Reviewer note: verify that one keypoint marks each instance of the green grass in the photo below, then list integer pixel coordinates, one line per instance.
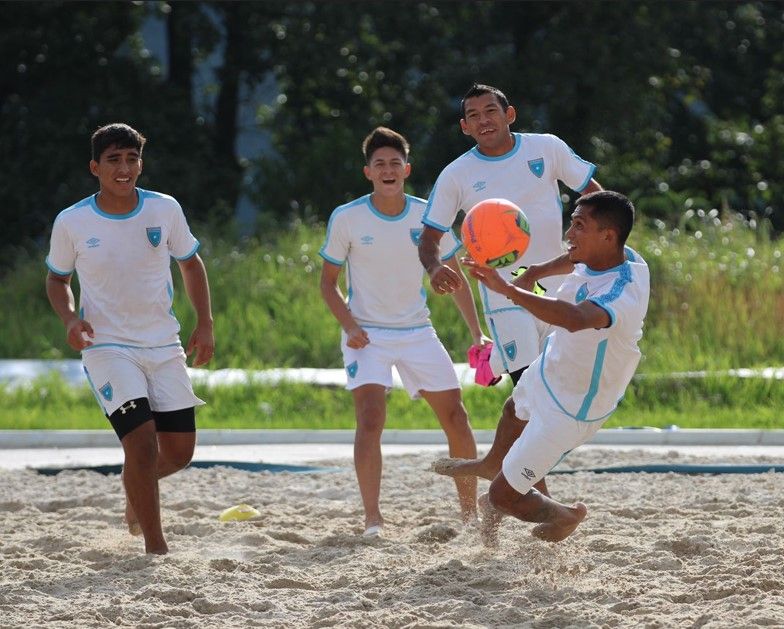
(716, 402)
(717, 302)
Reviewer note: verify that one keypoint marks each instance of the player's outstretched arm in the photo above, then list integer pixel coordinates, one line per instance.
(464, 300)
(78, 332)
(202, 339)
(573, 317)
(333, 297)
(442, 278)
(561, 265)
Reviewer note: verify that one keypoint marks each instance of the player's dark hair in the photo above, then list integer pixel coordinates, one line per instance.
(610, 210)
(381, 137)
(116, 134)
(478, 89)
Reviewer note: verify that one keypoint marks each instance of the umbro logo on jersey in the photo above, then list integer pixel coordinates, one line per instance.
(528, 473)
(366, 240)
(536, 166)
(93, 242)
(479, 186)
(582, 293)
(154, 236)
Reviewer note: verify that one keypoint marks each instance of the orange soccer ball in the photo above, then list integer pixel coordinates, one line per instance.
(495, 233)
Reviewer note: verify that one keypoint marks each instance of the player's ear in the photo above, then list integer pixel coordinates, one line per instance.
(94, 167)
(141, 164)
(464, 126)
(366, 170)
(511, 114)
(407, 170)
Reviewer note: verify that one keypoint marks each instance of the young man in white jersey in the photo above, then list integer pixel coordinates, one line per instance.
(386, 321)
(524, 168)
(120, 242)
(576, 383)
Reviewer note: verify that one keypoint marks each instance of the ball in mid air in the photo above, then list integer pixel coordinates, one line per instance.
(495, 233)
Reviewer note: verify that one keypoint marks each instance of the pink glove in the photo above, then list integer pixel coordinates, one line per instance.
(479, 359)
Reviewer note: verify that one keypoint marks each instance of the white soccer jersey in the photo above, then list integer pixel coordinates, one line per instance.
(528, 176)
(383, 275)
(123, 264)
(587, 372)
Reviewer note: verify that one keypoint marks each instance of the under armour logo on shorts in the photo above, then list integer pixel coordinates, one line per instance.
(128, 407)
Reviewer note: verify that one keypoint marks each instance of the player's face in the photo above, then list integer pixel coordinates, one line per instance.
(587, 242)
(117, 170)
(387, 171)
(487, 122)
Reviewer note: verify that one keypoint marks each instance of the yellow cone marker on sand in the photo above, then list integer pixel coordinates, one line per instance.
(238, 512)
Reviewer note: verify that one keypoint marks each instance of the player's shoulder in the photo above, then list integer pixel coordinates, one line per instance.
(416, 202)
(73, 212)
(158, 198)
(542, 139)
(351, 208)
(634, 258)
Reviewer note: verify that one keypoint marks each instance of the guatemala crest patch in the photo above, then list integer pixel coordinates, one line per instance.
(416, 235)
(582, 293)
(106, 391)
(536, 166)
(154, 236)
(510, 349)
(351, 369)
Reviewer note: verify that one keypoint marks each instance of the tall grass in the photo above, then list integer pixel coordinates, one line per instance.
(716, 300)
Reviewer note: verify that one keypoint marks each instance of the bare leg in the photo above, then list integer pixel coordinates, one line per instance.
(557, 521)
(141, 484)
(448, 407)
(370, 408)
(508, 430)
(175, 450)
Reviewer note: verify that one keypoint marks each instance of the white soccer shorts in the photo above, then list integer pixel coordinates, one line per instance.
(518, 338)
(419, 356)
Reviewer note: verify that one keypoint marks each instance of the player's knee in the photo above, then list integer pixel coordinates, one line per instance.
(129, 416)
(371, 418)
(179, 458)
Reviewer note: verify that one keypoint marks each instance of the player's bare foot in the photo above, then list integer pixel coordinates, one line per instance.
(563, 526)
(489, 522)
(454, 467)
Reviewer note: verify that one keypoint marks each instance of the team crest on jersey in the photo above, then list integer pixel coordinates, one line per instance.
(582, 293)
(536, 166)
(106, 391)
(154, 236)
(479, 186)
(510, 349)
(416, 235)
(351, 369)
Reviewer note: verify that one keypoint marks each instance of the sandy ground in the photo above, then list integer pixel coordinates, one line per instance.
(656, 550)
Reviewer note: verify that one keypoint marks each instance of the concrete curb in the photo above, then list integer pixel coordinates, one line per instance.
(13, 439)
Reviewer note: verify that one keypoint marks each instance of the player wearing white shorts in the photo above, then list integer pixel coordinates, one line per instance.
(524, 168)
(582, 373)
(386, 321)
(120, 242)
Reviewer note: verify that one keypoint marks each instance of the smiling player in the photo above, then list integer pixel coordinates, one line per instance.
(386, 321)
(120, 242)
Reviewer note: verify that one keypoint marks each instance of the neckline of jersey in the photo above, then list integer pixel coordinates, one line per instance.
(518, 138)
(118, 217)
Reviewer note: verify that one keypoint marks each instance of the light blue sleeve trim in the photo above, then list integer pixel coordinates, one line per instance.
(57, 271)
(606, 308)
(457, 248)
(331, 260)
(434, 225)
(587, 179)
(189, 255)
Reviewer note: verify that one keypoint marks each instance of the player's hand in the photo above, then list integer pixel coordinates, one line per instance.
(489, 277)
(202, 342)
(444, 280)
(78, 333)
(357, 337)
(482, 340)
